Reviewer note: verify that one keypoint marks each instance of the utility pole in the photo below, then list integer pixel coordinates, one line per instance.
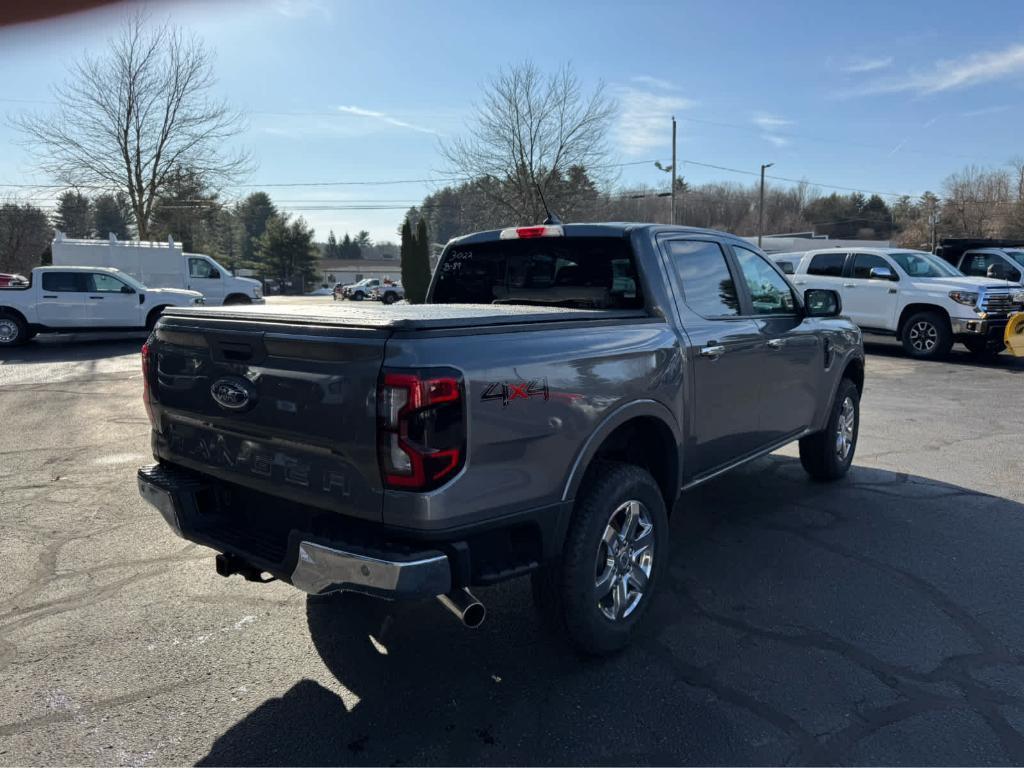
(760, 208)
(673, 169)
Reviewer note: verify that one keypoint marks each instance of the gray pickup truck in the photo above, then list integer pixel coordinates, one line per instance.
(540, 415)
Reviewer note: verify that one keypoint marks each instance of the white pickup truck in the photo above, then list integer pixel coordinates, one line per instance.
(76, 299)
(916, 296)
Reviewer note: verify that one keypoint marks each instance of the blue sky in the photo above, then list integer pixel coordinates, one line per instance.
(879, 96)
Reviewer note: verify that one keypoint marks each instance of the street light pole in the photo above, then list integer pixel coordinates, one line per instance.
(673, 169)
(760, 208)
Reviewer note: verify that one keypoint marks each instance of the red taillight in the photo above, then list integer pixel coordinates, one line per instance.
(523, 233)
(421, 432)
(147, 395)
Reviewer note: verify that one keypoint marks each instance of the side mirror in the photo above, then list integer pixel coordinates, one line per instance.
(881, 273)
(821, 302)
(214, 273)
(786, 267)
(126, 289)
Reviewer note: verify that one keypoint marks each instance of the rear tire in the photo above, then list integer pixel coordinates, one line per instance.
(153, 316)
(358, 296)
(827, 455)
(618, 536)
(236, 299)
(927, 336)
(389, 298)
(13, 331)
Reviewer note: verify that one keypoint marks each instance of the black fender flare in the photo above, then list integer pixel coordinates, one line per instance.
(611, 422)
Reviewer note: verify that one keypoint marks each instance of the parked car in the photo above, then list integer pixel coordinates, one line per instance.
(388, 293)
(160, 265)
(421, 450)
(67, 299)
(921, 299)
(12, 280)
(999, 259)
(360, 290)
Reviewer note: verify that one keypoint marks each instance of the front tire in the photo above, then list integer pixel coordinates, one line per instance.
(827, 455)
(389, 298)
(13, 331)
(927, 336)
(616, 548)
(358, 296)
(983, 349)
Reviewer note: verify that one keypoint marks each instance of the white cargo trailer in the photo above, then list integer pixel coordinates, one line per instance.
(159, 265)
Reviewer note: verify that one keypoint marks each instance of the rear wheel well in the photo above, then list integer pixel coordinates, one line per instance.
(912, 309)
(647, 442)
(13, 313)
(237, 298)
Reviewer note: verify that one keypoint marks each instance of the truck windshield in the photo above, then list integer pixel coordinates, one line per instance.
(583, 272)
(921, 264)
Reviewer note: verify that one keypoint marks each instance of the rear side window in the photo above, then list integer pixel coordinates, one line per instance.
(827, 264)
(67, 282)
(583, 272)
(863, 263)
(708, 287)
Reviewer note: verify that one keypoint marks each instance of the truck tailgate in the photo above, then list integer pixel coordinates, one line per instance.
(287, 410)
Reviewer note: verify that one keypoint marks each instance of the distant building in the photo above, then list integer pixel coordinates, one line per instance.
(347, 271)
(806, 241)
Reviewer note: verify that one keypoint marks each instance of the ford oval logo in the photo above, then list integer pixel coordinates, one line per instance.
(233, 393)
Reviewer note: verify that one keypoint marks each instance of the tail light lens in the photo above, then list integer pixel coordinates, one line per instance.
(147, 395)
(421, 428)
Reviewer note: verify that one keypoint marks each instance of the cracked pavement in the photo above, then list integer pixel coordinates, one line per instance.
(874, 621)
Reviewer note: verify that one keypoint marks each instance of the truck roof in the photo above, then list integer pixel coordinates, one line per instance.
(605, 229)
(77, 269)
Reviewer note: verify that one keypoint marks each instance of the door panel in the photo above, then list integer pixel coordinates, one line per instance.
(788, 358)
(207, 279)
(870, 303)
(108, 305)
(62, 302)
(723, 350)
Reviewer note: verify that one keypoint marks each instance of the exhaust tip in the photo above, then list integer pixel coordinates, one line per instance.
(474, 615)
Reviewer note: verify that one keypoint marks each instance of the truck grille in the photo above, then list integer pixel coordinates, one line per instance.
(998, 301)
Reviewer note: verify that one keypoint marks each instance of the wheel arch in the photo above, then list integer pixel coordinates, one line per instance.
(237, 298)
(912, 309)
(854, 371)
(642, 432)
(5, 310)
(154, 314)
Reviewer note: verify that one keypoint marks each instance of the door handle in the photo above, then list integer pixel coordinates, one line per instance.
(776, 343)
(799, 282)
(48, 296)
(714, 352)
(96, 297)
(849, 285)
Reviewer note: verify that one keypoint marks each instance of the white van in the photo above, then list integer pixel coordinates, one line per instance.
(160, 265)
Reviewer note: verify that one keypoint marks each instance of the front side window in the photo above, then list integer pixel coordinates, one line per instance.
(921, 264)
(770, 294)
(201, 268)
(102, 283)
(708, 287)
(863, 263)
(827, 265)
(67, 282)
(1017, 256)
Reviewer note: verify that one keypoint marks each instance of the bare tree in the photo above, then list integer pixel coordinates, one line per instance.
(131, 120)
(25, 235)
(526, 135)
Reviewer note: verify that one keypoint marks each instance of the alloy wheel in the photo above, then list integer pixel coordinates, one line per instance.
(8, 330)
(844, 429)
(625, 558)
(924, 336)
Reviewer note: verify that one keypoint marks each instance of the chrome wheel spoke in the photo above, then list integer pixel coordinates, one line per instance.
(604, 584)
(630, 522)
(625, 559)
(620, 597)
(638, 579)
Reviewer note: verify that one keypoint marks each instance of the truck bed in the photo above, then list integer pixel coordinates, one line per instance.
(401, 317)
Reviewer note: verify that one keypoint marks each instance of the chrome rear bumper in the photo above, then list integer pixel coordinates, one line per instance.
(321, 569)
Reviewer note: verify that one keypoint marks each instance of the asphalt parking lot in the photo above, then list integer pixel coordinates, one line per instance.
(876, 621)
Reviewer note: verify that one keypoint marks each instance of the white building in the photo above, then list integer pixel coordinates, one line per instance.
(347, 271)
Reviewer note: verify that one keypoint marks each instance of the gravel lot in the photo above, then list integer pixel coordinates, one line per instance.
(873, 621)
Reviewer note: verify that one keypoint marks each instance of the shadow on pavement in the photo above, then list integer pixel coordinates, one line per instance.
(74, 347)
(958, 356)
(875, 620)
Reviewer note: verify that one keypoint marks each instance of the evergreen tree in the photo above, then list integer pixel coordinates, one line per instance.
(253, 213)
(405, 253)
(286, 252)
(331, 251)
(112, 213)
(74, 214)
(416, 275)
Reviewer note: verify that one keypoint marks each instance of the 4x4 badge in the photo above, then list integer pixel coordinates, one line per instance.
(515, 390)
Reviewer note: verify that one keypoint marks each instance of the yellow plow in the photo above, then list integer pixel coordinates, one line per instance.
(1014, 336)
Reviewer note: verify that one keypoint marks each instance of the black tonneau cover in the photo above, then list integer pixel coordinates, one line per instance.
(400, 317)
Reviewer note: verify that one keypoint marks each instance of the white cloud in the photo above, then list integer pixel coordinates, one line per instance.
(645, 117)
(950, 74)
(653, 82)
(867, 64)
(778, 141)
(383, 117)
(301, 9)
(985, 111)
(768, 122)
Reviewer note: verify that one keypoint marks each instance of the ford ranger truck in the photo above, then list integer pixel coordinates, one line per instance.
(539, 415)
(915, 296)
